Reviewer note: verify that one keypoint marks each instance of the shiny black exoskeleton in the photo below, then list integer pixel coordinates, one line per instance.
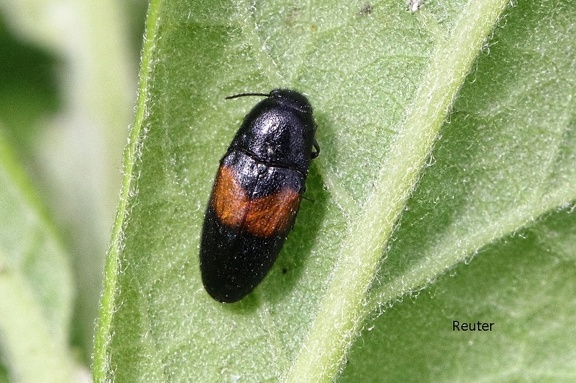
(256, 194)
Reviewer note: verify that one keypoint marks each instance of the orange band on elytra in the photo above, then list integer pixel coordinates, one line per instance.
(262, 217)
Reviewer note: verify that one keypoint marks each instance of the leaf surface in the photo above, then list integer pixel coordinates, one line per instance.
(442, 131)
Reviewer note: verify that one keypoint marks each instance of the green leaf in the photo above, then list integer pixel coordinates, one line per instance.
(523, 284)
(35, 284)
(388, 214)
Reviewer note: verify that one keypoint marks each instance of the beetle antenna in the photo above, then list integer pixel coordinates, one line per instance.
(248, 94)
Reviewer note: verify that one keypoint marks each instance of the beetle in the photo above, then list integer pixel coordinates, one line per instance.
(256, 194)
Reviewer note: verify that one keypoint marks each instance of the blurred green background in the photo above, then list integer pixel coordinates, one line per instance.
(68, 78)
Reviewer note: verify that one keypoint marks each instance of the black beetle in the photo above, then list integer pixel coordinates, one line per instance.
(256, 194)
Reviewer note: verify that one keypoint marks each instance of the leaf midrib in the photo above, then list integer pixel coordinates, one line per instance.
(341, 312)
